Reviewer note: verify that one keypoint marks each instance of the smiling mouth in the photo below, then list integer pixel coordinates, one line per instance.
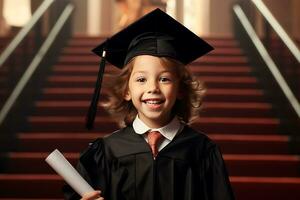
(153, 101)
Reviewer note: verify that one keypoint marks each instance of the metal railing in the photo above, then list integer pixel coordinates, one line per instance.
(274, 57)
(24, 31)
(274, 69)
(285, 38)
(60, 23)
(275, 47)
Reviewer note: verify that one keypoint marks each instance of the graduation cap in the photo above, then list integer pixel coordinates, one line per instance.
(156, 34)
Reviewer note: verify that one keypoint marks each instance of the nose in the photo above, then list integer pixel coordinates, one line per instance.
(152, 87)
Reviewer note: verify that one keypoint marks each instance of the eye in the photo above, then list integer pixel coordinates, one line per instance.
(165, 79)
(141, 79)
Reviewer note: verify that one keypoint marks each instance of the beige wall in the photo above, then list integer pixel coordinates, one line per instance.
(213, 16)
(282, 11)
(209, 17)
(107, 17)
(215, 20)
(3, 27)
(100, 22)
(286, 13)
(221, 17)
(80, 17)
(209, 20)
(296, 19)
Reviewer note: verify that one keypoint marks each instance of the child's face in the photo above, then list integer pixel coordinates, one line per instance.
(153, 89)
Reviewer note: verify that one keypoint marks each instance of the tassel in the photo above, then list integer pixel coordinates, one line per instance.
(94, 103)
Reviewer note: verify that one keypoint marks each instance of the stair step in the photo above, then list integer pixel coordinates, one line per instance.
(29, 162)
(237, 165)
(31, 186)
(275, 188)
(212, 94)
(90, 42)
(210, 81)
(76, 142)
(217, 79)
(87, 51)
(209, 108)
(228, 51)
(231, 125)
(94, 60)
(242, 70)
(244, 109)
(262, 165)
(234, 95)
(252, 144)
(31, 198)
(68, 123)
(206, 124)
(64, 141)
(246, 188)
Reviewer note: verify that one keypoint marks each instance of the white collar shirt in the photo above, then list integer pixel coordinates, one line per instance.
(169, 131)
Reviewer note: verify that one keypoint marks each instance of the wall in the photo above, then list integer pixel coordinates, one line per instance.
(296, 19)
(221, 17)
(287, 14)
(80, 17)
(3, 26)
(107, 14)
(214, 16)
(282, 11)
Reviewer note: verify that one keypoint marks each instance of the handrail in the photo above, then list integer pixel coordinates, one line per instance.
(267, 59)
(36, 61)
(277, 28)
(24, 31)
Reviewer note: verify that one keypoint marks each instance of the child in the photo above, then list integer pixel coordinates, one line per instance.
(156, 155)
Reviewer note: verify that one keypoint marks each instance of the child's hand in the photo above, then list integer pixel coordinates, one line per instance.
(95, 195)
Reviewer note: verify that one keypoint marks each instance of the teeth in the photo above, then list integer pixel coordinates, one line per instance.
(153, 102)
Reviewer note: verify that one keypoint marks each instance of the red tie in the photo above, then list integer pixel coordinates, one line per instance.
(154, 138)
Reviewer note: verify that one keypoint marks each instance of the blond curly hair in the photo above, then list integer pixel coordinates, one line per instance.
(186, 108)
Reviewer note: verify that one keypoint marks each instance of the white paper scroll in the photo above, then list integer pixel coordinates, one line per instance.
(60, 164)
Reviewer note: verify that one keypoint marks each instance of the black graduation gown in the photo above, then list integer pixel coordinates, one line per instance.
(121, 165)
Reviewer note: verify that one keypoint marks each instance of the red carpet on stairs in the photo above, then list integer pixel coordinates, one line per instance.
(236, 115)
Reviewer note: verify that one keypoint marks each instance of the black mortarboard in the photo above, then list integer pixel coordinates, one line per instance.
(155, 34)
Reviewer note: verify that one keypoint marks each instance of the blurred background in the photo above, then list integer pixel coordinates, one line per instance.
(251, 110)
(104, 17)
(93, 17)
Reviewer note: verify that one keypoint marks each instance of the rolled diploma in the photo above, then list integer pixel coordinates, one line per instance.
(61, 165)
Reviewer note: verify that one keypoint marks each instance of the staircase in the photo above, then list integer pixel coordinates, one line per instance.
(236, 115)
(3, 70)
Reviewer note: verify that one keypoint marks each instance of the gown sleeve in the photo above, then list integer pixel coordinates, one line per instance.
(216, 177)
(92, 167)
